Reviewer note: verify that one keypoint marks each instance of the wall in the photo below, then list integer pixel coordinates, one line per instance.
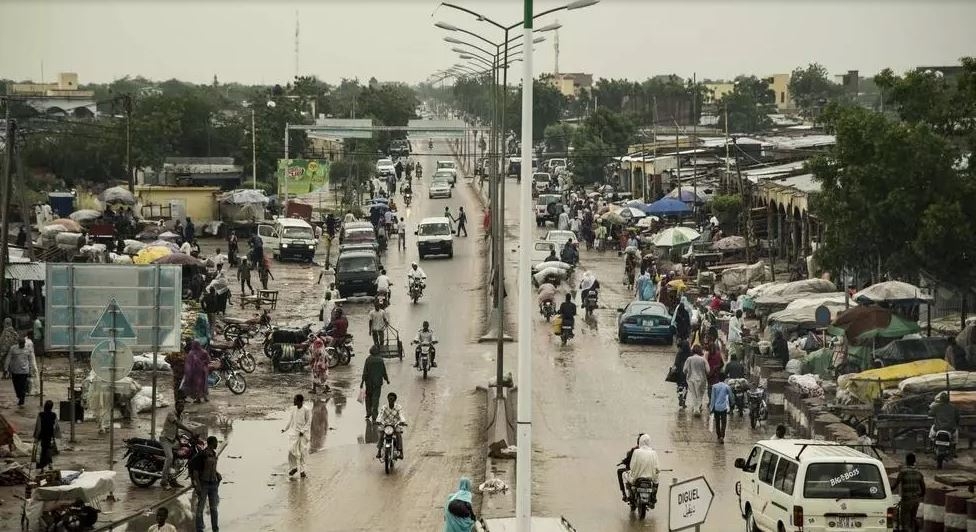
(717, 90)
(780, 85)
(200, 203)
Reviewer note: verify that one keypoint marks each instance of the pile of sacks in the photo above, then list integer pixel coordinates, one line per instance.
(809, 384)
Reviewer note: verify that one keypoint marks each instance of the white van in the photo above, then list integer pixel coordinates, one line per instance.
(288, 237)
(813, 486)
(435, 237)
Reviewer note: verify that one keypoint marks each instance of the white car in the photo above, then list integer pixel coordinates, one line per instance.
(435, 236)
(446, 173)
(385, 167)
(446, 165)
(439, 188)
(559, 238)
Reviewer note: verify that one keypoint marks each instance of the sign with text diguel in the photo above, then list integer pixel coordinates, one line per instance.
(149, 296)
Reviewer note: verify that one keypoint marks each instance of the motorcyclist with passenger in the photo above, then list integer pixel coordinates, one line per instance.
(425, 335)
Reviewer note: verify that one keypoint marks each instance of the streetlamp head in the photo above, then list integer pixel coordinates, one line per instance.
(446, 26)
(452, 40)
(551, 27)
(466, 56)
(537, 40)
(580, 4)
(459, 50)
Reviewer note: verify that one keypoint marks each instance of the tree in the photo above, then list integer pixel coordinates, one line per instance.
(558, 137)
(748, 105)
(812, 89)
(948, 104)
(601, 136)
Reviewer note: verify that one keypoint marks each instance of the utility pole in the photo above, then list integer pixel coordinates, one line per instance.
(694, 135)
(8, 161)
(254, 152)
(727, 169)
(127, 102)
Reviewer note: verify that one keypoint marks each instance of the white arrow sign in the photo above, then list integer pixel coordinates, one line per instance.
(689, 501)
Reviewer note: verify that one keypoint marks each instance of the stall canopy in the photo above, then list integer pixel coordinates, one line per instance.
(868, 322)
(910, 349)
(667, 207)
(891, 291)
(25, 271)
(784, 294)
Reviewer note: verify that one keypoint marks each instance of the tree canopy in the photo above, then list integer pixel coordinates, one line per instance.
(812, 89)
(748, 105)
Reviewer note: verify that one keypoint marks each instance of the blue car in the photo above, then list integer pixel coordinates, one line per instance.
(644, 320)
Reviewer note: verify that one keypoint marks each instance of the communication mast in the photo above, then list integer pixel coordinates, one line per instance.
(556, 46)
(296, 43)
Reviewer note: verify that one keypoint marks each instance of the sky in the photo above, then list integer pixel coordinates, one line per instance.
(254, 41)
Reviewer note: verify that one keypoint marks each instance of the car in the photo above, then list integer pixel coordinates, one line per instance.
(542, 208)
(439, 188)
(449, 175)
(288, 237)
(644, 320)
(349, 226)
(541, 181)
(400, 147)
(356, 273)
(385, 167)
(359, 238)
(435, 237)
(795, 484)
(446, 165)
(559, 237)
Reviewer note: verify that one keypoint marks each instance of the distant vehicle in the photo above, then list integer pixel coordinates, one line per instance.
(434, 237)
(288, 237)
(553, 163)
(559, 238)
(446, 165)
(541, 181)
(400, 147)
(514, 168)
(542, 203)
(449, 175)
(644, 320)
(385, 167)
(359, 238)
(360, 224)
(356, 273)
(439, 188)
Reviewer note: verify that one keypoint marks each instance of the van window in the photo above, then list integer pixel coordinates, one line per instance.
(356, 264)
(297, 232)
(767, 466)
(785, 476)
(437, 229)
(752, 461)
(843, 481)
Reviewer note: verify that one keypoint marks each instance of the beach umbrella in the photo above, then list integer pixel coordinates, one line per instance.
(891, 291)
(668, 207)
(631, 213)
(730, 243)
(149, 254)
(70, 225)
(85, 215)
(181, 259)
(675, 236)
(686, 195)
(117, 195)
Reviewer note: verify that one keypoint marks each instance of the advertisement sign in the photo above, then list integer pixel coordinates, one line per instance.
(301, 175)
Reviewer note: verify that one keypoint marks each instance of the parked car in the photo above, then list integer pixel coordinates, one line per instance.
(439, 188)
(288, 237)
(541, 182)
(434, 237)
(644, 320)
(385, 167)
(356, 273)
(813, 485)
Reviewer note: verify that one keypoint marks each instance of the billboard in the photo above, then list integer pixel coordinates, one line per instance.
(301, 175)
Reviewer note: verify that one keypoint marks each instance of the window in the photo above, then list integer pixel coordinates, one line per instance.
(298, 232)
(436, 229)
(752, 461)
(782, 97)
(767, 466)
(843, 481)
(785, 476)
(357, 264)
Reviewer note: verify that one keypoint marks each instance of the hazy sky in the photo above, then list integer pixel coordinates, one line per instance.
(254, 41)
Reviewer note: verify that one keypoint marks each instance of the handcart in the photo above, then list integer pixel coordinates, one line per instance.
(391, 347)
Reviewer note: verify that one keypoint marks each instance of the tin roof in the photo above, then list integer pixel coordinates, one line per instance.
(26, 271)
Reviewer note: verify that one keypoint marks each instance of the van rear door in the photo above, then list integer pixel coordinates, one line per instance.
(845, 493)
(268, 237)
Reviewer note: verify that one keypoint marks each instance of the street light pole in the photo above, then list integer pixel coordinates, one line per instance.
(254, 153)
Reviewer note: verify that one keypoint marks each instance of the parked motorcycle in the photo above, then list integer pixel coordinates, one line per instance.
(590, 302)
(241, 358)
(943, 447)
(426, 350)
(416, 289)
(642, 495)
(739, 387)
(340, 352)
(228, 372)
(548, 310)
(758, 411)
(285, 335)
(144, 458)
(245, 328)
(391, 435)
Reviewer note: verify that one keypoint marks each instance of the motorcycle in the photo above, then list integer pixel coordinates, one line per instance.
(682, 396)
(430, 145)
(340, 352)
(242, 359)
(246, 328)
(943, 447)
(426, 350)
(548, 310)
(391, 453)
(406, 199)
(383, 298)
(589, 302)
(144, 458)
(228, 372)
(285, 335)
(565, 333)
(739, 387)
(642, 495)
(758, 410)
(416, 288)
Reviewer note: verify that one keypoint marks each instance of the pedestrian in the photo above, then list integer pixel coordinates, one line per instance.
(210, 304)
(600, 237)
(317, 233)
(462, 219)
(715, 362)
(563, 221)
(299, 431)
(379, 319)
(233, 247)
(402, 235)
(682, 320)
(177, 363)
(374, 374)
(244, 275)
(781, 349)
(911, 486)
(189, 232)
(696, 374)
(458, 513)
(319, 366)
(264, 273)
(780, 433)
(162, 514)
(206, 482)
(195, 372)
(20, 367)
(680, 380)
(169, 439)
(720, 404)
(178, 228)
(38, 335)
(735, 333)
(575, 226)
(21, 240)
(8, 339)
(644, 287)
(46, 430)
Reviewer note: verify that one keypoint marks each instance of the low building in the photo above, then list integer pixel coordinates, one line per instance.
(198, 203)
(572, 83)
(195, 171)
(780, 85)
(61, 98)
(322, 146)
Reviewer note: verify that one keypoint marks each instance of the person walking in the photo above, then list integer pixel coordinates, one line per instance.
(319, 365)
(20, 367)
(264, 273)
(720, 404)
(244, 275)
(696, 374)
(458, 513)
(374, 374)
(299, 431)
(379, 319)
(195, 373)
(189, 232)
(462, 219)
(206, 482)
(8, 339)
(680, 379)
(911, 486)
(46, 430)
(402, 235)
(169, 439)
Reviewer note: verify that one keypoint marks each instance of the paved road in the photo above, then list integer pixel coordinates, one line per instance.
(346, 488)
(591, 399)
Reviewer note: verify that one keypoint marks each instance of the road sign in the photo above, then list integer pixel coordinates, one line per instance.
(113, 324)
(689, 501)
(102, 360)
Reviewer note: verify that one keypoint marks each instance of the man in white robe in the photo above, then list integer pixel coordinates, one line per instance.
(299, 431)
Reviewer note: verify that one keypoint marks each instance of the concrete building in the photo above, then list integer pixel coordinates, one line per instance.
(716, 90)
(198, 203)
(572, 83)
(323, 146)
(61, 98)
(780, 84)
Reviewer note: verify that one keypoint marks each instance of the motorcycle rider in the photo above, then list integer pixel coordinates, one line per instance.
(383, 284)
(391, 414)
(624, 466)
(547, 292)
(589, 284)
(425, 335)
(338, 326)
(169, 438)
(568, 312)
(643, 462)
(416, 273)
(945, 415)
(569, 254)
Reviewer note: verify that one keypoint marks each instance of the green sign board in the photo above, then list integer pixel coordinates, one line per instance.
(301, 175)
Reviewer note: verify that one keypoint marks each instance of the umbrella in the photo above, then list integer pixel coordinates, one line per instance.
(891, 291)
(686, 195)
(675, 236)
(635, 203)
(117, 195)
(631, 213)
(612, 217)
(148, 254)
(164, 244)
(179, 258)
(678, 285)
(168, 235)
(647, 221)
(85, 215)
(70, 225)
(866, 322)
(379, 206)
(150, 232)
(730, 243)
(667, 207)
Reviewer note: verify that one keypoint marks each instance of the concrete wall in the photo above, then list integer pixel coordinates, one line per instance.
(199, 202)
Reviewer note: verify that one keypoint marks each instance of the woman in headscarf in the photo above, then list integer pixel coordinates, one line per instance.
(682, 320)
(195, 373)
(684, 351)
(644, 287)
(319, 366)
(201, 330)
(8, 339)
(715, 361)
(458, 513)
